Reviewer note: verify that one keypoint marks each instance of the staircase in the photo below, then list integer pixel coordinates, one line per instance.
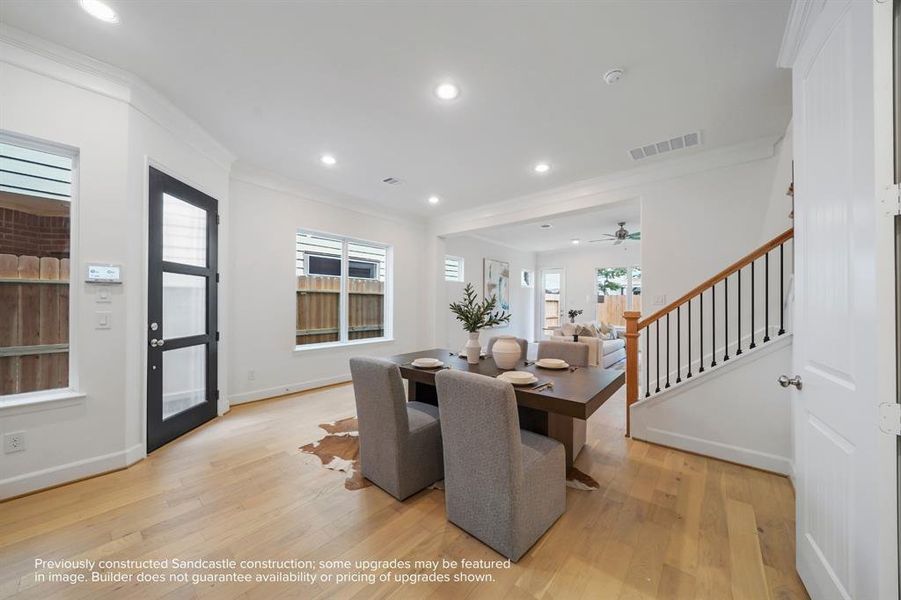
(735, 313)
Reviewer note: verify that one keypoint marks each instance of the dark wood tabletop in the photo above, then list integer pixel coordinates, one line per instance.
(575, 393)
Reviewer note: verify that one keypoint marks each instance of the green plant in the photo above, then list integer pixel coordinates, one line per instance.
(477, 315)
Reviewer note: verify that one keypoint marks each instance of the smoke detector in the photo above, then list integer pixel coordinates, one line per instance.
(613, 75)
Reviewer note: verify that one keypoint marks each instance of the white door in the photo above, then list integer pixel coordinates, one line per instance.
(846, 533)
(551, 300)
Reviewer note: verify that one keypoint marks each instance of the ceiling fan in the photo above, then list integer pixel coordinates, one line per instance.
(619, 236)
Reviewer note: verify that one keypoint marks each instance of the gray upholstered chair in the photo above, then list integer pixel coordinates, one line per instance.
(575, 353)
(400, 441)
(504, 486)
(523, 346)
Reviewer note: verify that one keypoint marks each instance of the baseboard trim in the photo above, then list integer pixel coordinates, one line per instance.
(39, 481)
(727, 452)
(265, 394)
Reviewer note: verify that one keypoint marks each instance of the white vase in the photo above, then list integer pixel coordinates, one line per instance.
(506, 352)
(473, 348)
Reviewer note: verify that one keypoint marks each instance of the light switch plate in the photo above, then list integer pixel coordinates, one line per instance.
(103, 320)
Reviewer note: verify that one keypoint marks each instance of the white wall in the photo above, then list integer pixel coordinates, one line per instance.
(580, 266)
(267, 211)
(107, 121)
(474, 250)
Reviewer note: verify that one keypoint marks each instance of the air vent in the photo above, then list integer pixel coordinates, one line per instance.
(677, 143)
(391, 181)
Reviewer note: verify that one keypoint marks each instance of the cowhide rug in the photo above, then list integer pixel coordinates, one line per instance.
(339, 450)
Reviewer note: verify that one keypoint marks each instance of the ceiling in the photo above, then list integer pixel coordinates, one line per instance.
(282, 82)
(582, 225)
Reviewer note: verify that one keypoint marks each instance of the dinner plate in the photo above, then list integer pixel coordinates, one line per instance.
(427, 363)
(552, 363)
(524, 379)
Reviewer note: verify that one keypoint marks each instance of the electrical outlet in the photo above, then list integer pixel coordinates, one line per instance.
(251, 375)
(14, 442)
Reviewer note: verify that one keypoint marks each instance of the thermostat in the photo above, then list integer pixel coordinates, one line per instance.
(103, 273)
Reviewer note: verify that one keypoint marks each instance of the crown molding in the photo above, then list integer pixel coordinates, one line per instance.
(588, 193)
(800, 19)
(254, 175)
(26, 51)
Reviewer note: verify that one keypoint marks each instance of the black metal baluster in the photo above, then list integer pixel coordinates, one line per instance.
(726, 314)
(679, 344)
(657, 322)
(667, 351)
(701, 320)
(766, 299)
(689, 339)
(713, 325)
(781, 288)
(738, 350)
(753, 282)
(647, 362)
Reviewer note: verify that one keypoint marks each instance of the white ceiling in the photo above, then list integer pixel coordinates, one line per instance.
(281, 82)
(582, 225)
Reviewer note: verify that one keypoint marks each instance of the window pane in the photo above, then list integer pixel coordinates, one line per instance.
(34, 264)
(366, 291)
(453, 268)
(615, 287)
(318, 266)
(184, 305)
(319, 271)
(184, 373)
(184, 232)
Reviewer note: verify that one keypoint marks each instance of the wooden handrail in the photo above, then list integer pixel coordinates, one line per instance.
(739, 264)
(634, 322)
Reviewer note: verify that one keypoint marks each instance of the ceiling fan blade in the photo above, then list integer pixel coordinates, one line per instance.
(617, 242)
(635, 236)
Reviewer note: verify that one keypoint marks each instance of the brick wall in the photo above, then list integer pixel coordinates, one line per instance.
(22, 233)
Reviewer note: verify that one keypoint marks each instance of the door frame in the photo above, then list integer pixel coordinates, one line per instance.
(213, 380)
(539, 298)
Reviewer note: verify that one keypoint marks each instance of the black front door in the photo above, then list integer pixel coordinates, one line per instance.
(181, 310)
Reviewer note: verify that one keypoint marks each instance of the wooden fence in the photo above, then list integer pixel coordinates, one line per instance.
(34, 323)
(318, 301)
(612, 308)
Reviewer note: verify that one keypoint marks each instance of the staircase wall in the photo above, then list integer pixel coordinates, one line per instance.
(735, 412)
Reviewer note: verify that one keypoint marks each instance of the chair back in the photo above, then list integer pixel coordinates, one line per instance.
(574, 353)
(480, 433)
(381, 407)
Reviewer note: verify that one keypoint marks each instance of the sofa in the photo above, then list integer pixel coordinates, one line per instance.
(601, 352)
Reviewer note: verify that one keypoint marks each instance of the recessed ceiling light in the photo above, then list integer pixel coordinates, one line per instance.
(545, 225)
(328, 159)
(575, 242)
(447, 91)
(434, 199)
(99, 10)
(542, 167)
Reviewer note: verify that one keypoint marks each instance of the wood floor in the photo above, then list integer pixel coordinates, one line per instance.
(665, 524)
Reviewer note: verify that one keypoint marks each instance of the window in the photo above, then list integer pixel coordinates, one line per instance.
(341, 289)
(618, 290)
(525, 278)
(35, 199)
(453, 268)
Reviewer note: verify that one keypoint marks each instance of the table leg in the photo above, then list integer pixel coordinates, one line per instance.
(560, 428)
(422, 392)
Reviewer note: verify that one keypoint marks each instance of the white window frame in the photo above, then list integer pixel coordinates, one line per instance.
(21, 403)
(461, 278)
(343, 302)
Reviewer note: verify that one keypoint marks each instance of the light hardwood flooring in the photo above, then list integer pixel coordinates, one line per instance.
(665, 524)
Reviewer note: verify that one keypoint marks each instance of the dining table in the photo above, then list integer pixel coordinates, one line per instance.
(550, 406)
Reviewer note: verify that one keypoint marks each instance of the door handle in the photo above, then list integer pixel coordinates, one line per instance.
(156, 343)
(786, 381)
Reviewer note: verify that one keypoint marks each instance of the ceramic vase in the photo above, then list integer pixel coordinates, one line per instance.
(473, 348)
(506, 352)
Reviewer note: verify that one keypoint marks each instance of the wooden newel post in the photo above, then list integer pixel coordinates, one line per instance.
(631, 317)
